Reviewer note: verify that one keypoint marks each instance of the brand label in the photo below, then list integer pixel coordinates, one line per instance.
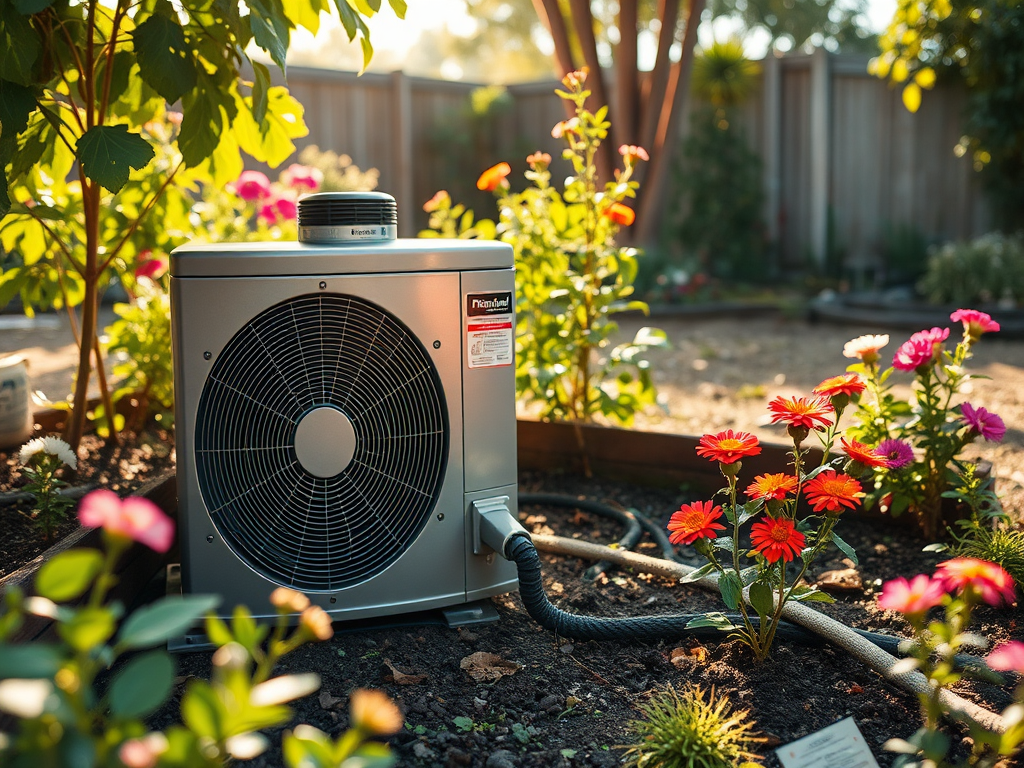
(490, 329)
(328, 234)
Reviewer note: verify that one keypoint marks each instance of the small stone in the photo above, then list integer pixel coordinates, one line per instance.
(548, 701)
(501, 758)
(567, 648)
(457, 757)
(479, 704)
(841, 580)
(422, 751)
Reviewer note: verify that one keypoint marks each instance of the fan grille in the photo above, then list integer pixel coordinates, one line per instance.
(307, 353)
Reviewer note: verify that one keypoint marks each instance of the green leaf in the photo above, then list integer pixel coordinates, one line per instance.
(845, 548)
(17, 102)
(28, 7)
(19, 45)
(464, 724)
(166, 62)
(164, 619)
(399, 7)
(698, 574)
(714, 619)
(201, 124)
(29, 661)
(260, 86)
(202, 711)
(761, 598)
(142, 685)
(107, 152)
(69, 574)
(731, 587)
(364, 41)
(803, 593)
(270, 29)
(88, 628)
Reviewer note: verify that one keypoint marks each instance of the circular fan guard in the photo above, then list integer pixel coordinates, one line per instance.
(299, 356)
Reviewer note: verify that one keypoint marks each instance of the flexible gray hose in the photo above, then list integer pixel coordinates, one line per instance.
(830, 629)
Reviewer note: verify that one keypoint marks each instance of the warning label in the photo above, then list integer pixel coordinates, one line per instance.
(490, 327)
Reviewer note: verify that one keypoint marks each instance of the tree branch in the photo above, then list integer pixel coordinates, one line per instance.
(583, 23)
(56, 241)
(138, 220)
(551, 17)
(626, 74)
(653, 96)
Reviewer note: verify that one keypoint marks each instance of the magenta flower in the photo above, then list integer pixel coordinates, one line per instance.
(975, 322)
(983, 422)
(1008, 657)
(302, 177)
(279, 209)
(896, 452)
(252, 186)
(913, 354)
(910, 597)
(134, 518)
(150, 267)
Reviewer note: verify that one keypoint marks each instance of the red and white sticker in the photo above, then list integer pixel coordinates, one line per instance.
(490, 329)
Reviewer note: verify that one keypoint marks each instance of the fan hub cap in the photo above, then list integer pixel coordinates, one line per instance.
(325, 442)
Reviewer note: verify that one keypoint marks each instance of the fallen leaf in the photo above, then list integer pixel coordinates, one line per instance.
(487, 667)
(680, 656)
(854, 688)
(402, 678)
(327, 701)
(841, 580)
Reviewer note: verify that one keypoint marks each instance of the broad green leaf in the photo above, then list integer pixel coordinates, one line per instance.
(731, 587)
(69, 574)
(202, 711)
(270, 29)
(164, 619)
(142, 685)
(166, 62)
(19, 45)
(697, 574)
(651, 337)
(714, 619)
(16, 104)
(349, 18)
(28, 7)
(260, 86)
(202, 123)
(88, 628)
(271, 142)
(845, 548)
(364, 41)
(107, 152)
(304, 13)
(29, 661)
(761, 598)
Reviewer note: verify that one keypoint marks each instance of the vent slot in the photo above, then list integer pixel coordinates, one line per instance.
(337, 217)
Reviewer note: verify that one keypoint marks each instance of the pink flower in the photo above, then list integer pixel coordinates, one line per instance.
(302, 177)
(990, 581)
(896, 452)
(631, 153)
(913, 354)
(1008, 657)
(566, 126)
(915, 596)
(983, 422)
(149, 267)
(279, 209)
(975, 322)
(144, 752)
(135, 518)
(252, 186)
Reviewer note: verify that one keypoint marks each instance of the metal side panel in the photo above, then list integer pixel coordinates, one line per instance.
(206, 313)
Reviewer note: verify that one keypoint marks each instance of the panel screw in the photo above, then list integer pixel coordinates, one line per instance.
(209, 539)
(323, 285)
(440, 515)
(207, 355)
(437, 344)
(334, 600)
(490, 558)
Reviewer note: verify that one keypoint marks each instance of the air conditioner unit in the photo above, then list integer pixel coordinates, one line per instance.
(342, 402)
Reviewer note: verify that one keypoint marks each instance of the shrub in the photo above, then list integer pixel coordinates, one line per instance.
(340, 174)
(987, 269)
(687, 730)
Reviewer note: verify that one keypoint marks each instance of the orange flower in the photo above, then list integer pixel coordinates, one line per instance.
(316, 622)
(374, 712)
(695, 521)
(436, 201)
(848, 384)
(621, 214)
(807, 412)
(988, 580)
(864, 454)
(631, 153)
(494, 177)
(775, 538)
(832, 491)
(539, 160)
(728, 446)
(576, 78)
(773, 487)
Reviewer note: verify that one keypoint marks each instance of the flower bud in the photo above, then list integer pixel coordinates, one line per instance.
(231, 657)
(317, 623)
(373, 712)
(730, 470)
(288, 600)
(798, 432)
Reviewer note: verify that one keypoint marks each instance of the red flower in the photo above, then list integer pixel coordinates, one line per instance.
(975, 322)
(494, 177)
(864, 454)
(621, 214)
(848, 384)
(728, 446)
(695, 521)
(777, 537)
(992, 583)
(807, 412)
(149, 266)
(914, 596)
(772, 486)
(832, 491)
(920, 349)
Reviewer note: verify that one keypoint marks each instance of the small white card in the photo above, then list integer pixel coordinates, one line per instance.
(840, 744)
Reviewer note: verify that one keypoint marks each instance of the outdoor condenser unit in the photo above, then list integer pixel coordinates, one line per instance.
(342, 403)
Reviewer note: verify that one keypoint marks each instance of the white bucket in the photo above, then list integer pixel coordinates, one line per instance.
(15, 413)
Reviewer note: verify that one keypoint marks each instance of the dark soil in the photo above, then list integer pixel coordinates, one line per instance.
(122, 469)
(570, 703)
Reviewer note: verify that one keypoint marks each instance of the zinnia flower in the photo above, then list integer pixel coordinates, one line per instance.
(832, 491)
(252, 186)
(848, 384)
(772, 487)
(435, 202)
(1008, 657)
(992, 583)
(865, 348)
(494, 177)
(896, 452)
(777, 537)
(54, 446)
(913, 354)
(975, 322)
(728, 446)
(630, 153)
(864, 454)
(695, 521)
(373, 712)
(134, 518)
(808, 412)
(983, 422)
(301, 177)
(278, 209)
(915, 596)
(539, 160)
(621, 214)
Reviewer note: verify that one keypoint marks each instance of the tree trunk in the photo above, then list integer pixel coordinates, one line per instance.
(627, 75)
(583, 23)
(90, 199)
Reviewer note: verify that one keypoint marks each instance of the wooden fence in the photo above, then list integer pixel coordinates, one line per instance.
(843, 160)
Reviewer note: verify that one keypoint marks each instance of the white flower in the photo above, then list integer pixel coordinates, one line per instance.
(51, 445)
